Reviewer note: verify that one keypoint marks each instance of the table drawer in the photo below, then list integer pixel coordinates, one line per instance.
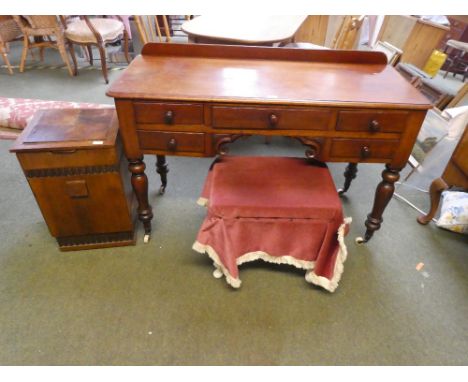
(172, 141)
(363, 149)
(372, 121)
(274, 118)
(168, 113)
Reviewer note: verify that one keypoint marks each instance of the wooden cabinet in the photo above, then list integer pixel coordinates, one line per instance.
(73, 162)
(415, 37)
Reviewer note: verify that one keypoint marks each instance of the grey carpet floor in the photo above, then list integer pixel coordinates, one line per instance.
(158, 304)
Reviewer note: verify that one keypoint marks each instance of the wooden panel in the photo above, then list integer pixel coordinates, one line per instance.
(424, 38)
(69, 129)
(372, 121)
(97, 212)
(396, 29)
(168, 113)
(206, 73)
(334, 23)
(313, 30)
(172, 142)
(363, 149)
(460, 155)
(270, 118)
(67, 158)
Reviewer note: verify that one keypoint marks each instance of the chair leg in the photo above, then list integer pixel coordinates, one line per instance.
(437, 186)
(102, 54)
(24, 53)
(127, 57)
(64, 55)
(7, 62)
(72, 53)
(89, 48)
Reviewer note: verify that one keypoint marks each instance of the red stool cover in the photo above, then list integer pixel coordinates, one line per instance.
(280, 210)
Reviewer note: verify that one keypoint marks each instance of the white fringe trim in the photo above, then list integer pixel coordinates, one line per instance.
(311, 277)
(202, 202)
(332, 284)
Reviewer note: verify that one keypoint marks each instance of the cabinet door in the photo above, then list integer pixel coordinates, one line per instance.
(81, 205)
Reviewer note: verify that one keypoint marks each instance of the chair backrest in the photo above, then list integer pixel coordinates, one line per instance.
(37, 25)
(348, 32)
(9, 30)
(149, 28)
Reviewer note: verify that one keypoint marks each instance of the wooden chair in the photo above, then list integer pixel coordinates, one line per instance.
(392, 52)
(348, 33)
(9, 31)
(43, 32)
(149, 28)
(454, 175)
(345, 37)
(98, 32)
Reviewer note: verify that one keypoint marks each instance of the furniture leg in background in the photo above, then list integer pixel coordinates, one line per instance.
(162, 169)
(454, 175)
(435, 191)
(349, 174)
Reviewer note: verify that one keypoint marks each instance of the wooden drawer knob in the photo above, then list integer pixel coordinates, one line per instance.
(169, 117)
(374, 126)
(365, 152)
(172, 144)
(273, 119)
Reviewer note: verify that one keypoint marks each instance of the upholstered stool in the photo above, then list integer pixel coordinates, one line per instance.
(280, 210)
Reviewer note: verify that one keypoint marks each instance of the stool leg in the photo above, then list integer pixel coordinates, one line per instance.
(162, 169)
(383, 194)
(349, 174)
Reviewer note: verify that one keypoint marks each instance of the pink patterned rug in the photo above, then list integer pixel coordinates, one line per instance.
(15, 113)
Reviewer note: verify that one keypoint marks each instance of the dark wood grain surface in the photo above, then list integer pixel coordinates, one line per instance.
(315, 78)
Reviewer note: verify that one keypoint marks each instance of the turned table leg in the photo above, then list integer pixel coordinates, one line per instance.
(140, 187)
(349, 174)
(162, 170)
(383, 194)
(437, 186)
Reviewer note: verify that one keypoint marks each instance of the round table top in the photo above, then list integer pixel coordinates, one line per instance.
(249, 29)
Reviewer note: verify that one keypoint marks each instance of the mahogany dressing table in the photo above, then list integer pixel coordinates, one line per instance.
(193, 99)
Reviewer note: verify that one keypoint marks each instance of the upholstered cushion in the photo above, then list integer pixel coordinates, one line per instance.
(280, 210)
(109, 29)
(454, 211)
(272, 187)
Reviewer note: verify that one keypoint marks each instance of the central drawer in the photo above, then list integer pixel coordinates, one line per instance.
(273, 118)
